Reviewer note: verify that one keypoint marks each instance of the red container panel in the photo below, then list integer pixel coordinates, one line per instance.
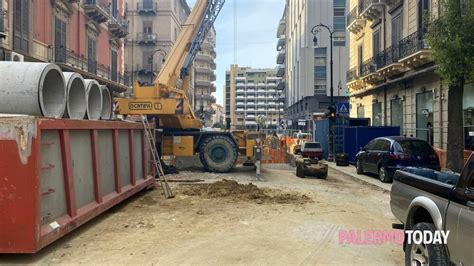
(55, 175)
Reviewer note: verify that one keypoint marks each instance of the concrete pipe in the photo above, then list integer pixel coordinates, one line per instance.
(106, 113)
(76, 101)
(94, 100)
(32, 88)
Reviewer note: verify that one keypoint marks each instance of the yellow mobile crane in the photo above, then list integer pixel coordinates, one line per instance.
(182, 134)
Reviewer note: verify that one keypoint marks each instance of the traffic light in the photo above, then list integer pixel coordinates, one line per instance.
(332, 112)
(282, 124)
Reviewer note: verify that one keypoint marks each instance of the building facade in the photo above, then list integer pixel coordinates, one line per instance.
(82, 36)
(218, 116)
(307, 64)
(154, 27)
(391, 75)
(252, 95)
(205, 76)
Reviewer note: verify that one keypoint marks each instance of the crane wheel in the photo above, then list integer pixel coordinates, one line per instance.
(218, 154)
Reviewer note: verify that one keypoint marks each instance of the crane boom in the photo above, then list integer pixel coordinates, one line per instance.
(164, 99)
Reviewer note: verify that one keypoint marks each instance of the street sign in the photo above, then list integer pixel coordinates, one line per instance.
(343, 109)
(301, 122)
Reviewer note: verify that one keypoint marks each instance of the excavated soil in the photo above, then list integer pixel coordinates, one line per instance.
(247, 192)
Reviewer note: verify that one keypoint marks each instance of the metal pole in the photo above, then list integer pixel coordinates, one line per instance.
(332, 149)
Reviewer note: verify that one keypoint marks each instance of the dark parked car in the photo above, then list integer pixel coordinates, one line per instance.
(385, 155)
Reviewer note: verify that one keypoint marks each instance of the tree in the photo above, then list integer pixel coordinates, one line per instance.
(451, 38)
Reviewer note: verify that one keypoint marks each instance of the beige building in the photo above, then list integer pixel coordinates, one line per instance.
(391, 71)
(205, 76)
(218, 116)
(252, 93)
(154, 27)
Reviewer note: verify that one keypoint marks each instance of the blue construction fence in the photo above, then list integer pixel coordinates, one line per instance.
(349, 134)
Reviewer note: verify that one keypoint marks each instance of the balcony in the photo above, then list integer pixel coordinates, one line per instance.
(147, 38)
(240, 110)
(387, 62)
(371, 9)
(250, 103)
(353, 81)
(250, 97)
(250, 123)
(203, 83)
(355, 23)
(240, 78)
(281, 57)
(240, 97)
(261, 91)
(118, 27)
(281, 43)
(203, 57)
(250, 117)
(281, 71)
(240, 84)
(251, 91)
(212, 76)
(250, 84)
(281, 27)
(368, 72)
(240, 104)
(271, 91)
(262, 97)
(213, 65)
(240, 92)
(3, 33)
(262, 103)
(414, 50)
(203, 70)
(147, 7)
(97, 10)
(251, 110)
(281, 85)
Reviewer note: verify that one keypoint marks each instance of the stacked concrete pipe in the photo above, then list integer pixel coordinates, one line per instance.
(76, 101)
(32, 89)
(94, 100)
(106, 113)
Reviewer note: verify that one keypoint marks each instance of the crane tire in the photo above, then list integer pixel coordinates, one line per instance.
(218, 154)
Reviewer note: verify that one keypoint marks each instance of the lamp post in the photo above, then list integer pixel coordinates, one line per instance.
(315, 30)
(150, 60)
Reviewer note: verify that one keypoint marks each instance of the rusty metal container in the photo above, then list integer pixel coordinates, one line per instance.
(56, 175)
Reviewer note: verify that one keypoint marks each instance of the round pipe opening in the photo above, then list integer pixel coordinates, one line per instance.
(94, 100)
(76, 96)
(106, 113)
(52, 94)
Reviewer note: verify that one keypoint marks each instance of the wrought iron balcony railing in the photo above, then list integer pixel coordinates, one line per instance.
(351, 16)
(367, 67)
(352, 74)
(147, 6)
(387, 57)
(413, 43)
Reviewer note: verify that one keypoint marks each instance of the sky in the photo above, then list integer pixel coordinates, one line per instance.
(255, 45)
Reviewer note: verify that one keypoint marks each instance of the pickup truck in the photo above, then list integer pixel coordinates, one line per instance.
(428, 200)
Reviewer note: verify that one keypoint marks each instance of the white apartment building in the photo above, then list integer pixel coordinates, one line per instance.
(252, 93)
(307, 67)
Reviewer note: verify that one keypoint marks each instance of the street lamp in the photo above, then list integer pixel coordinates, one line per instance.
(150, 60)
(315, 30)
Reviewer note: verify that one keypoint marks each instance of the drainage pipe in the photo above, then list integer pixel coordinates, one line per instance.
(32, 88)
(106, 113)
(76, 101)
(94, 99)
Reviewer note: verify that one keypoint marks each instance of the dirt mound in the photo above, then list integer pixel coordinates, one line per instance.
(249, 192)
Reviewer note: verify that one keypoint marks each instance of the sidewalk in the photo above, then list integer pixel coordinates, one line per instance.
(367, 179)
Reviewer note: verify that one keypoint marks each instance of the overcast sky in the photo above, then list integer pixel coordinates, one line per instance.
(257, 22)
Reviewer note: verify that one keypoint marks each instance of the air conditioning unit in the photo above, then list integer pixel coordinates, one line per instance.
(14, 57)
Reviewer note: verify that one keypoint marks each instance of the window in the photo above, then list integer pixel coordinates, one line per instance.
(377, 114)
(359, 59)
(147, 60)
(360, 111)
(397, 27)
(468, 107)
(376, 43)
(382, 145)
(92, 55)
(320, 63)
(424, 116)
(147, 4)
(339, 23)
(319, 89)
(60, 43)
(340, 3)
(21, 25)
(147, 27)
(396, 113)
(113, 66)
(114, 9)
(423, 9)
